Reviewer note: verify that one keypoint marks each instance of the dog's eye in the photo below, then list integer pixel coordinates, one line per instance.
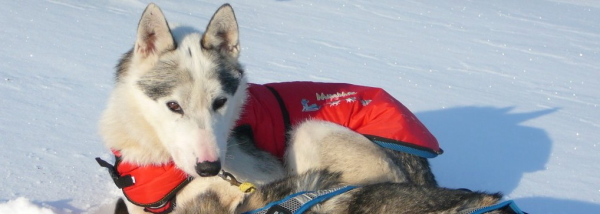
(218, 103)
(175, 107)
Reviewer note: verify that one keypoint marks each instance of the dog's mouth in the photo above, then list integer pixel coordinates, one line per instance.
(208, 168)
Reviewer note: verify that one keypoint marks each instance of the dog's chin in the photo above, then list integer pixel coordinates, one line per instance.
(188, 163)
(188, 167)
(191, 172)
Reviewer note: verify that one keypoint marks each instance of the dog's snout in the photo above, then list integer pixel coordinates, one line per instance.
(207, 168)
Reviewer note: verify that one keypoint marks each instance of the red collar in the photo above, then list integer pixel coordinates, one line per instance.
(153, 186)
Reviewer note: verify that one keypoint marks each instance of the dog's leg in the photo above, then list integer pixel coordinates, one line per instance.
(311, 180)
(208, 195)
(206, 202)
(325, 145)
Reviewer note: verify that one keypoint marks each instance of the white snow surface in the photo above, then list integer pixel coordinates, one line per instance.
(511, 88)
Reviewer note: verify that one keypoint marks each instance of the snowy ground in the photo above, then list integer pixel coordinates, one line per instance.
(510, 88)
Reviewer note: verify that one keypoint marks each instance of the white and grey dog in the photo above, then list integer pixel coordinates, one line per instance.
(176, 101)
(171, 117)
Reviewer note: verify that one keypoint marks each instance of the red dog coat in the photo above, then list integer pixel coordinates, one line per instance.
(272, 109)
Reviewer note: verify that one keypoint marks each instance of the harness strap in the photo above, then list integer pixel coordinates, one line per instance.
(165, 208)
(120, 181)
(300, 202)
(404, 147)
(284, 113)
(508, 206)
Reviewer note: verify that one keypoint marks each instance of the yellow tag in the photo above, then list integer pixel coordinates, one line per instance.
(247, 187)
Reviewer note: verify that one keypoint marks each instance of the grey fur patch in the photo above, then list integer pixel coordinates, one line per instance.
(123, 65)
(230, 75)
(243, 137)
(411, 198)
(416, 168)
(125, 62)
(162, 79)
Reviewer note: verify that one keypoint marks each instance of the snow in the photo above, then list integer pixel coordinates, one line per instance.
(510, 88)
(22, 205)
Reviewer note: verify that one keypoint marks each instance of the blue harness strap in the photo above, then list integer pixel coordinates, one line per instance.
(300, 202)
(407, 149)
(509, 205)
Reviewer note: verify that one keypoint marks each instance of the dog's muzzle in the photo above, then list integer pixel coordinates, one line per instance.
(207, 168)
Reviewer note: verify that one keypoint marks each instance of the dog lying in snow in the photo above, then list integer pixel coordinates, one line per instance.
(179, 94)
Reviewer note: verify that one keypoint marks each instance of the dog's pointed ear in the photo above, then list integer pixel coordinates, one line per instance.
(153, 34)
(222, 32)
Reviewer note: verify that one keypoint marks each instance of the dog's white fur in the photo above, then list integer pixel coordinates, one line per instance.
(143, 129)
(325, 145)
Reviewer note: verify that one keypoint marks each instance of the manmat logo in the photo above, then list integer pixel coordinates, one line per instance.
(323, 96)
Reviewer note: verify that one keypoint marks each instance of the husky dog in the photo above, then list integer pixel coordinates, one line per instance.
(171, 116)
(177, 101)
(380, 190)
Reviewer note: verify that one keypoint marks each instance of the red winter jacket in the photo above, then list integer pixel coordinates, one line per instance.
(272, 109)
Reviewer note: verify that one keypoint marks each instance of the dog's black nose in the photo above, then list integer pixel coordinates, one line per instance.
(207, 169)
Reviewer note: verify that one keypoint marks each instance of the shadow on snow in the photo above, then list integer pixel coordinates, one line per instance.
(487, 149)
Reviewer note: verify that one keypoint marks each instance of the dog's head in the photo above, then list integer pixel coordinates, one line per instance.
(177, 99)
